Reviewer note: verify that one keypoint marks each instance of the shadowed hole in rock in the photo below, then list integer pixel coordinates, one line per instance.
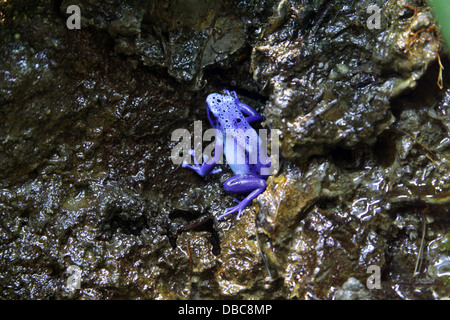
(183, 221)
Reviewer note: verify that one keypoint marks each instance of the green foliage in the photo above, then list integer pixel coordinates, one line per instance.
(442, 13)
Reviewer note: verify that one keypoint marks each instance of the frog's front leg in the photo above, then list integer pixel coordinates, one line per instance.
(243, 183)
(202, 169)
(207, 165)
(250, 114)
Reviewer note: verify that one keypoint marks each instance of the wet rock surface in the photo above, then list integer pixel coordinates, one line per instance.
(87, 182)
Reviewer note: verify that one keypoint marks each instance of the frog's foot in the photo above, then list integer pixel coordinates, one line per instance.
(202, 169)
(242, 205)
(231, 210)
(243, 184)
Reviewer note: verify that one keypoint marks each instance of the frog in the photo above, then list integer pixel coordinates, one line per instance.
(231, 118)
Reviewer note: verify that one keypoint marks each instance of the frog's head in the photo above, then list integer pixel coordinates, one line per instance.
(218, 106)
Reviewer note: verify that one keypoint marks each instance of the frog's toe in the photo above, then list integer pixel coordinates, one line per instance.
(185, 164)
(194, 158)
(227, 212)
(239, 214)
(218, 170)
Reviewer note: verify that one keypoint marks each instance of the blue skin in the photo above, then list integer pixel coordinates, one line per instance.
(226, 112)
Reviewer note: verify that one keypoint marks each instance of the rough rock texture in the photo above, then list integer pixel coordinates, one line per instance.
(87, 182)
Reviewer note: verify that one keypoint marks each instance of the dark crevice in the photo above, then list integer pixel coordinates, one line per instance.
(184, 221)
(57, 9)
(425, 89)
(385, 149)
(351, 159)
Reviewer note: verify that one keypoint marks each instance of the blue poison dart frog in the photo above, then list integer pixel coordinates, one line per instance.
(245, 155)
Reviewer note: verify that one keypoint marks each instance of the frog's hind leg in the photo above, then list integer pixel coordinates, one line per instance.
(243, 183)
